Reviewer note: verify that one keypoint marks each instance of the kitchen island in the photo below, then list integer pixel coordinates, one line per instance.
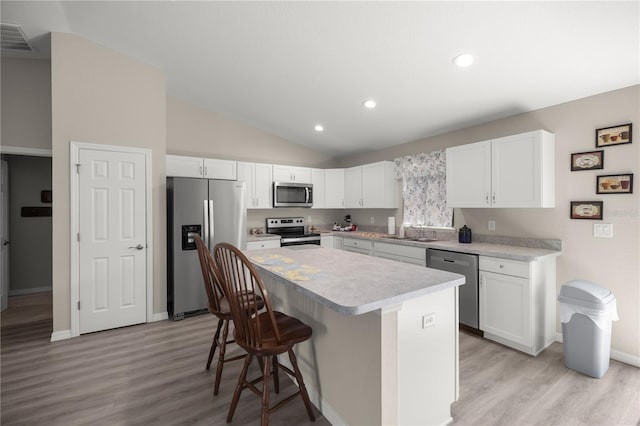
(384, 348)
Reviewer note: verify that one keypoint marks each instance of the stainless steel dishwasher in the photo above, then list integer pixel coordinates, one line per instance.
(463, 264)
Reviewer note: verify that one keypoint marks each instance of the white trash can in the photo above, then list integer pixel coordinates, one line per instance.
(586, 312)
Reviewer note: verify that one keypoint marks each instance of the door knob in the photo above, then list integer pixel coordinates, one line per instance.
(5, 243)
(138, 247)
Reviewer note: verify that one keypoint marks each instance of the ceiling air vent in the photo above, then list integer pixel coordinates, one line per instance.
(13, 38)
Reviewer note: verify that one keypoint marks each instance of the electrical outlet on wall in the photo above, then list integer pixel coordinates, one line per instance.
(428, 320)
(372, 220)
(492, 225)
(603, 230)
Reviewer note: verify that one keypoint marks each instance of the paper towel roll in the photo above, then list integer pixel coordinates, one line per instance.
(391, 225)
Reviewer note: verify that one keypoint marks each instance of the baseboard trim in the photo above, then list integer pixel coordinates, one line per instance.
(615, 354)
(29, 291)
(60, 335)
(160, 317)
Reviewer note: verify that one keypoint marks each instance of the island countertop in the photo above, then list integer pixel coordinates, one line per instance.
(350, 283)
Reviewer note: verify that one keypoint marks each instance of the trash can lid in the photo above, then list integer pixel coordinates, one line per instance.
(585, 293)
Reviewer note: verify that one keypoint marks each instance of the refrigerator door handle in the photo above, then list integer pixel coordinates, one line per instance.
(211, 226)
(205, 236)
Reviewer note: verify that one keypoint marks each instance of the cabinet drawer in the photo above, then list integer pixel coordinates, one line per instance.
(257, 245)
(417, 253)
(359, 244)
(504, 266)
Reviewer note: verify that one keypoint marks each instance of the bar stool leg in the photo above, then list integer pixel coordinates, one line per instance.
(265, 392)
(221, 355)
(212, 351)
(276, 377)
(241, 381)
(303, 388)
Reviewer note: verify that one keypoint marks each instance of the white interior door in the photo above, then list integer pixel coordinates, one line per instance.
(112, 239)
(4, 237)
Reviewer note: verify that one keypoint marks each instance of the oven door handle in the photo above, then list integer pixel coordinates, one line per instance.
(285, 240)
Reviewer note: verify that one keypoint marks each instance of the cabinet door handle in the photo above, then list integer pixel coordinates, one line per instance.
(486, 197)
(201, 171)
(205, 171)
(494, 198)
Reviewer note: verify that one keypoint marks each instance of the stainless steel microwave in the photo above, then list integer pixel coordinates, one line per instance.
(291, 194)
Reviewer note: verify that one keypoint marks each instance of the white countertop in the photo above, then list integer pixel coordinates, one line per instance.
(262, 237)
(350, 283)
(504, 251)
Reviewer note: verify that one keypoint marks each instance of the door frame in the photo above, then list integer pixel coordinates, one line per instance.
(74, 216)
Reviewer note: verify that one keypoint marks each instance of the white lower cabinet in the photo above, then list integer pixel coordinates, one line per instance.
(267, 244)
(338, 242)
(517, 302)
(326, 241)
(401, 253)
(358, 246)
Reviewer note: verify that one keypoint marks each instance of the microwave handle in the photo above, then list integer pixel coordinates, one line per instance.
(307, 194)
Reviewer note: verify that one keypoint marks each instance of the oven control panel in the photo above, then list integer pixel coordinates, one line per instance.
(280, 222)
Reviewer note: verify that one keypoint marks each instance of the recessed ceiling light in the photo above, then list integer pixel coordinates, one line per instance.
(318, 128)
(369, 103)
(463, 60)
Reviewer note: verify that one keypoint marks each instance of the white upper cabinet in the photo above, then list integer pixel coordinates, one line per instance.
(469, 175)
(371, 186)
(513, 171)
(209, 168)
(353, 187)
(220, 169)
(319, 189)
(177, 165)
(334, 188)
(291, 174)
(259, 184)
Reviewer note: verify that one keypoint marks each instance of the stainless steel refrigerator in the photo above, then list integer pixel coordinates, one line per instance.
(216, 210)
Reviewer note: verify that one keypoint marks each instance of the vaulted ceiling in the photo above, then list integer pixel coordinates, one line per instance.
(285, 67)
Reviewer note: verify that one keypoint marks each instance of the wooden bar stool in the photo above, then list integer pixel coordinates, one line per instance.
(263, 335)
(219, 307)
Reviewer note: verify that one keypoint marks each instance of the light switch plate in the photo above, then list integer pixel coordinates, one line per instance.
(603, 230)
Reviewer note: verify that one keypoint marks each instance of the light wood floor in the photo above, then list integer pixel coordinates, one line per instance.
(154, 374)
(27, 308)
(501, 386)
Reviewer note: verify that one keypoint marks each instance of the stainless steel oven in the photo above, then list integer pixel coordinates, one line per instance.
(290, 194)
(291, 231)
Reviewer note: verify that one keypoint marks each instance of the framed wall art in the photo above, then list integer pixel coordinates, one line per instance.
(586, 210)
(614, 184)
(591, 160)
(616, 135)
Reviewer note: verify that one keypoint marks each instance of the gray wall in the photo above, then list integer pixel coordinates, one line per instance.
(30, 255)
(26, 103)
